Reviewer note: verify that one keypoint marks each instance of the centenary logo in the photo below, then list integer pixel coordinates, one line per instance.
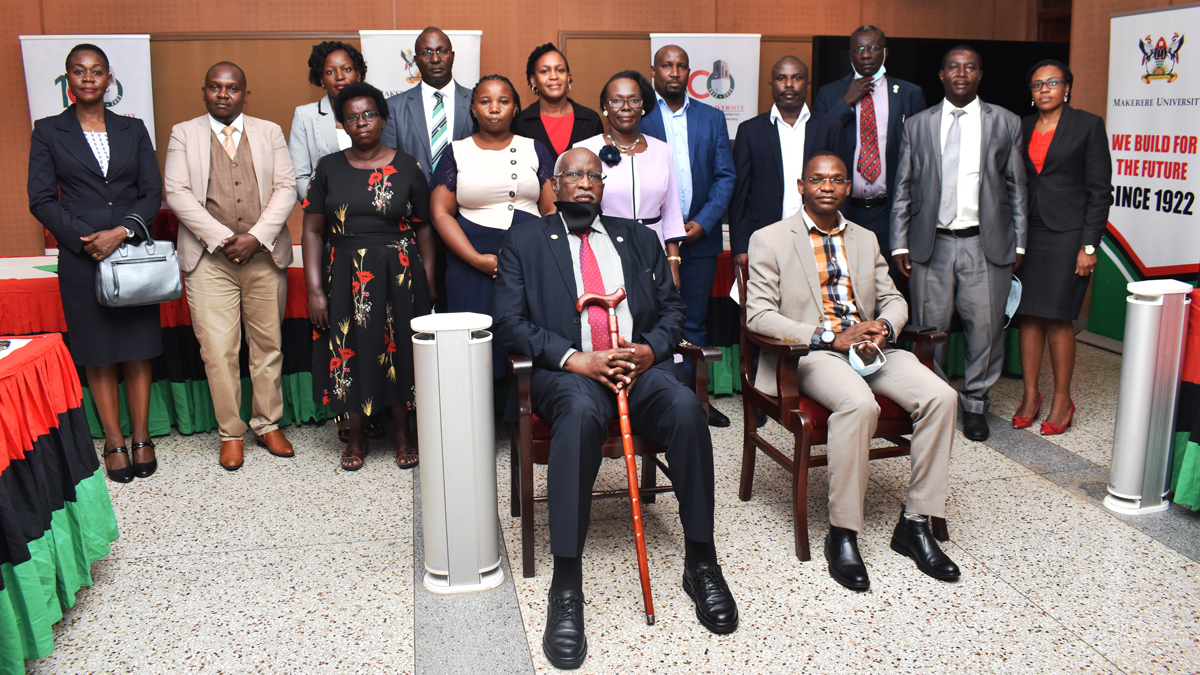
(68, 98)
(1160, 58)
(412, 74)
(718, 83)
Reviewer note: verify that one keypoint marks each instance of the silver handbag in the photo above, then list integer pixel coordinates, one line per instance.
(139, 274)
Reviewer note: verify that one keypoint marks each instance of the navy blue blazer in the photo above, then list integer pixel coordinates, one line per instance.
(68, 193)
(904, 100)
(534, 303)
(1074, 190)
(713, 175)
(758, 191)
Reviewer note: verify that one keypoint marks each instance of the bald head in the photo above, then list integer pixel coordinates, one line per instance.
(671, 72)
(584, 189)
(233, 69)
(789, 86)
(790, 62)
(435, 57)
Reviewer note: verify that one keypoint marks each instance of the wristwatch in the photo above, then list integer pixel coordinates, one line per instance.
(1089, 249)
(128, 232)
(827, 337)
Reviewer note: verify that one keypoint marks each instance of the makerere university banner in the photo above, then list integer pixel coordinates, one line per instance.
(393, 66)
(724, 71)
(1153, 105)
(128, 57)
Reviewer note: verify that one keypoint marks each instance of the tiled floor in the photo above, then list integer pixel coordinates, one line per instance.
(293, 566)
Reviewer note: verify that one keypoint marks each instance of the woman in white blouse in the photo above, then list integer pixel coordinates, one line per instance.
(315, 133)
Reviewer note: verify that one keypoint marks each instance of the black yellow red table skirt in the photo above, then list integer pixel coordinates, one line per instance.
(56, 517)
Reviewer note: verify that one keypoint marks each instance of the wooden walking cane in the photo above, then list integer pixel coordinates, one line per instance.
(610, 302)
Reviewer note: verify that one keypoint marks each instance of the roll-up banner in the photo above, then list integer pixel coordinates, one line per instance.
(1153, 105)
(724, 71)
(392, 63)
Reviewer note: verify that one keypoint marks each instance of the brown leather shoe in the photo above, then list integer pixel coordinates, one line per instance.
(275, 443)
(231, 455)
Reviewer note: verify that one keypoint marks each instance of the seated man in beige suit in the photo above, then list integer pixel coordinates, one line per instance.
(819, 279)
(230, 181)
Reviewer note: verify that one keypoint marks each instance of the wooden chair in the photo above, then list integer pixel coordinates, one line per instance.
(807, 420)
(530, 445)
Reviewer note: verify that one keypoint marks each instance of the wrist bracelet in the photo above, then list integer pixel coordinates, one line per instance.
(676, 258)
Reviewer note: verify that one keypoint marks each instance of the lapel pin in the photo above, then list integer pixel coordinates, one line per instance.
(554, 236)
(620, 239)
(895, 89)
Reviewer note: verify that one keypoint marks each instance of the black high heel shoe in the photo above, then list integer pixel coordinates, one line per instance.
(145, 469)
(123, 475)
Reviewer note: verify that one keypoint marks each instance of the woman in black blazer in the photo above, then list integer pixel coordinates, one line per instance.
(554, 120)
(90, 172)
(1070, 189)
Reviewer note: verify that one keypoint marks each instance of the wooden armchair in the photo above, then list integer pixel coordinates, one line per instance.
(530, 444)
(807, 420)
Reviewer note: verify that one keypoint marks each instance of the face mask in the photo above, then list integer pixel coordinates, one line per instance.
(1014, 300)
(878, 74)
(579, 216)
(856, 361)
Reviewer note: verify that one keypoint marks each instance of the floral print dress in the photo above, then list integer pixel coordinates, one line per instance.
(374, 281)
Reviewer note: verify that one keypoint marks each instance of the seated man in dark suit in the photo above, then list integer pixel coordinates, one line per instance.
(545, 265)
(770, 154)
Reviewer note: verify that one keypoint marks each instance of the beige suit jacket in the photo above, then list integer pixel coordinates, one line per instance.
(783, 290)
(185, 183)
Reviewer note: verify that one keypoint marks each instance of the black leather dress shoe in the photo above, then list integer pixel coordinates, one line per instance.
(845, 564)
(715, 607)
(975, 426)
(564, 643)
(914, 539)
(716, 418)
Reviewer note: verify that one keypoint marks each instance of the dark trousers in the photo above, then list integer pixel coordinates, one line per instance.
(580, 411)
(696, 276)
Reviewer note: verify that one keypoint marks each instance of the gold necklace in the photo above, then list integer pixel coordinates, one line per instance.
(623, 148)
(90, 129)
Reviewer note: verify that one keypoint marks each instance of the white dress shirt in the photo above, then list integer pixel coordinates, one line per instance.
(968, 162)
(238, 125)
(791, 146)
(675, 126)
(428, 102)
(613, 275)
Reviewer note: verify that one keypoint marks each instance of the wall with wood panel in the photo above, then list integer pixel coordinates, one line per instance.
(276, 67)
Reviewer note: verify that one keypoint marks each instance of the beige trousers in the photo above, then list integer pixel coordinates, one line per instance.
(222, 296)
(828, 379)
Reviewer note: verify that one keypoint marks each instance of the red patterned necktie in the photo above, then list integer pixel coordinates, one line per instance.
(868, 159)
(593, 283)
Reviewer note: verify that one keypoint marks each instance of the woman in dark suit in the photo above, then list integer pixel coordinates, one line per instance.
(554, 120)
(90, 173)
(1070, 189)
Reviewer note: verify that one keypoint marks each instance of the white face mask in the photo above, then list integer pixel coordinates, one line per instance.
(1014, 300)
(865, 369)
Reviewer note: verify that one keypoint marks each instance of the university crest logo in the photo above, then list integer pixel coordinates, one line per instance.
(68, 98)
(412, 74)
(1160, 58)
(718, 83)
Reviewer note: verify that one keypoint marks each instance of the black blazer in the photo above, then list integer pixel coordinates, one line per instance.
(1074, 189)
(904, 100)
(61, 163)
(534, 303)
(757, 158)
(528, 123)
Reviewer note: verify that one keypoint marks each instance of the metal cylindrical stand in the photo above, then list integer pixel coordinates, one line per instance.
(1155, 325)
(452, 362)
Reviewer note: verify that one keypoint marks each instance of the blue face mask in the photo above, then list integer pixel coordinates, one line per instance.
(865, 369)
(1014, 300)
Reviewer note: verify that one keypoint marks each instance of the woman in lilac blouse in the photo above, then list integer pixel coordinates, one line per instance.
(640, 181)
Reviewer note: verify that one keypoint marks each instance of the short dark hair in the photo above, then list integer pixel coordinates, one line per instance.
(824, 153)
(492, 78)
(1067, 76)
(868, 28)
(538, 53)
(320, 52)
(86, 47)
(961, 48)
(359, 90)
(648, 100)
(226, 64)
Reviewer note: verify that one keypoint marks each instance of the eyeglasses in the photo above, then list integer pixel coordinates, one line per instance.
(818, 181)
(1053, 83)
(572, 177)
(366, 117)
(618, 103)
(861, 49)
(430, 52)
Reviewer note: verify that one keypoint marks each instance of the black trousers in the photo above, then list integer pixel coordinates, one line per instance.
(580, 411)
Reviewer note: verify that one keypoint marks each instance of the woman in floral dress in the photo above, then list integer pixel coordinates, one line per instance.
(373, 204)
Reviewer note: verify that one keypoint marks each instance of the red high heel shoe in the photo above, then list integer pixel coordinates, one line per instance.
(1049, 429)
(1026, 422)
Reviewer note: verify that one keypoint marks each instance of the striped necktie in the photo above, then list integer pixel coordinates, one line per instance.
(437, 133)
(868, 139)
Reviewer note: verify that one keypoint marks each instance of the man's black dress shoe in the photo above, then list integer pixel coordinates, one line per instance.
(975, 426)
(760, 418)
(845, 564)
(716, 418)
(564, 643)
(715, 606)
(913, 538)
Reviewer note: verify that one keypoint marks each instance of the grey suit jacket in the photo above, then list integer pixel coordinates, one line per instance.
(406, 129)
(1003, 203)
(314, 135)
(783, 289)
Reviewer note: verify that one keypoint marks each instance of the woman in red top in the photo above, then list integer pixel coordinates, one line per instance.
(554, 119)
(1069, 178)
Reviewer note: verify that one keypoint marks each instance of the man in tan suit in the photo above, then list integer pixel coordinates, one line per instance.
(230, 181)
(819, 279)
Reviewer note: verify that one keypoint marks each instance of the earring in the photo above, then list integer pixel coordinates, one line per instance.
(604, 112)
(643, 113)
(534, 90)
(1066, 98)
(1031, 103)
(568, 86)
